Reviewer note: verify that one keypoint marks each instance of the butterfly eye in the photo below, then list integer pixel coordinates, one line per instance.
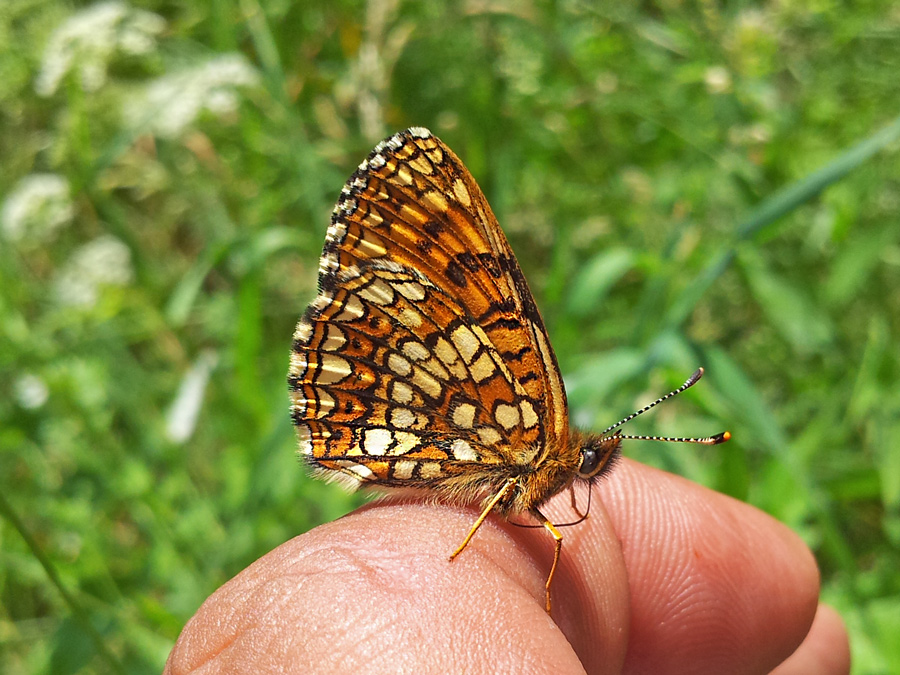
(599, 455)
(590, 462)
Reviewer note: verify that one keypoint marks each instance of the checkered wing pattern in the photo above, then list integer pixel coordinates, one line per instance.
(423, 361)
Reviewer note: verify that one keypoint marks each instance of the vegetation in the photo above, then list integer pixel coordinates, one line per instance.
(684, 184)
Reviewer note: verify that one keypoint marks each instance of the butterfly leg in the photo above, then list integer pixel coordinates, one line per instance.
(551, 528)
(507, 486)
(575, 508)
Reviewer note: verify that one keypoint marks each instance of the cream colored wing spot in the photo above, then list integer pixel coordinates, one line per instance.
(529, 416)
(483, 367)
(461, 192)
(322, 301)
(328, 264)
(373, 218)
(488, 435)
(427, 383)
(378, 292)
(332, 369)
(351, 310)
(459, 371)
(404, 175)
(299, 364)
(507, 416)
(395, 142)
(465, 341)
(337, 232)
(361, 470)
(401, 392)
(444, 351)
(416, 350)
(334, 340)
(462, 451)
(298, 405)
(347, 206)
(376, 441)
(450, 357)
(411, 290)
(464, 415)
(435, 200)
(422, 165)
(370, 246)
(304, 436)
(303, 332)
(410, 318)
(404, 442)
(428, 470)
(412, 214)
(321, 406)
(399, 365)
(403, 470)
(402, 418)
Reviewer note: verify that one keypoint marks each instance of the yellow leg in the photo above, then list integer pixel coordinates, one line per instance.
(510, 483)
(551, 528)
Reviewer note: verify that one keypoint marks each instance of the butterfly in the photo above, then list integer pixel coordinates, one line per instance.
(423, 361)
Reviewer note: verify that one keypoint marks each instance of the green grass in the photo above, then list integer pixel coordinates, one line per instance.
(682, 186)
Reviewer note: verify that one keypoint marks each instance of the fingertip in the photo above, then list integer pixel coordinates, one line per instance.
(715, 583)
(825, 650)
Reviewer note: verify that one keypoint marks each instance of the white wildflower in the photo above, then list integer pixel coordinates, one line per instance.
(759, 133)
(106, 261)
(75, 290)
(753, 134)
(38, 206)
(31, 392)
(755, 20)
(717, 79)
(181, 419)
(89, 40)
(173, 102)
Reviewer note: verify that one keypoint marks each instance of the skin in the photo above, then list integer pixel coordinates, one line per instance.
(665, 576)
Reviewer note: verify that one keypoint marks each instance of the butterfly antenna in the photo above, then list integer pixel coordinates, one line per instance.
(690, 382)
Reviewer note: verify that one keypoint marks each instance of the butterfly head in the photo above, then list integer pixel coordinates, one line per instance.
(598, 455)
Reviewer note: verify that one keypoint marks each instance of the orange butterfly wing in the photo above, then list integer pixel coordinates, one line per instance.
(423, 362)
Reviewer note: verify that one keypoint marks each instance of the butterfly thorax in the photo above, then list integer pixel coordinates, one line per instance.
(582, 457)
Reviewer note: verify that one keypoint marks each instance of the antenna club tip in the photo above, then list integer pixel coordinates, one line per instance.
(723, 437)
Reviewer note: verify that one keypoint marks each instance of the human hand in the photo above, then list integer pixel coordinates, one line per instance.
(664, 577)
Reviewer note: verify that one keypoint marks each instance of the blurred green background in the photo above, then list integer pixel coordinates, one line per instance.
(684, 184)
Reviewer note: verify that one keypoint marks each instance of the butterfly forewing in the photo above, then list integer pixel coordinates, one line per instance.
(423, 356)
